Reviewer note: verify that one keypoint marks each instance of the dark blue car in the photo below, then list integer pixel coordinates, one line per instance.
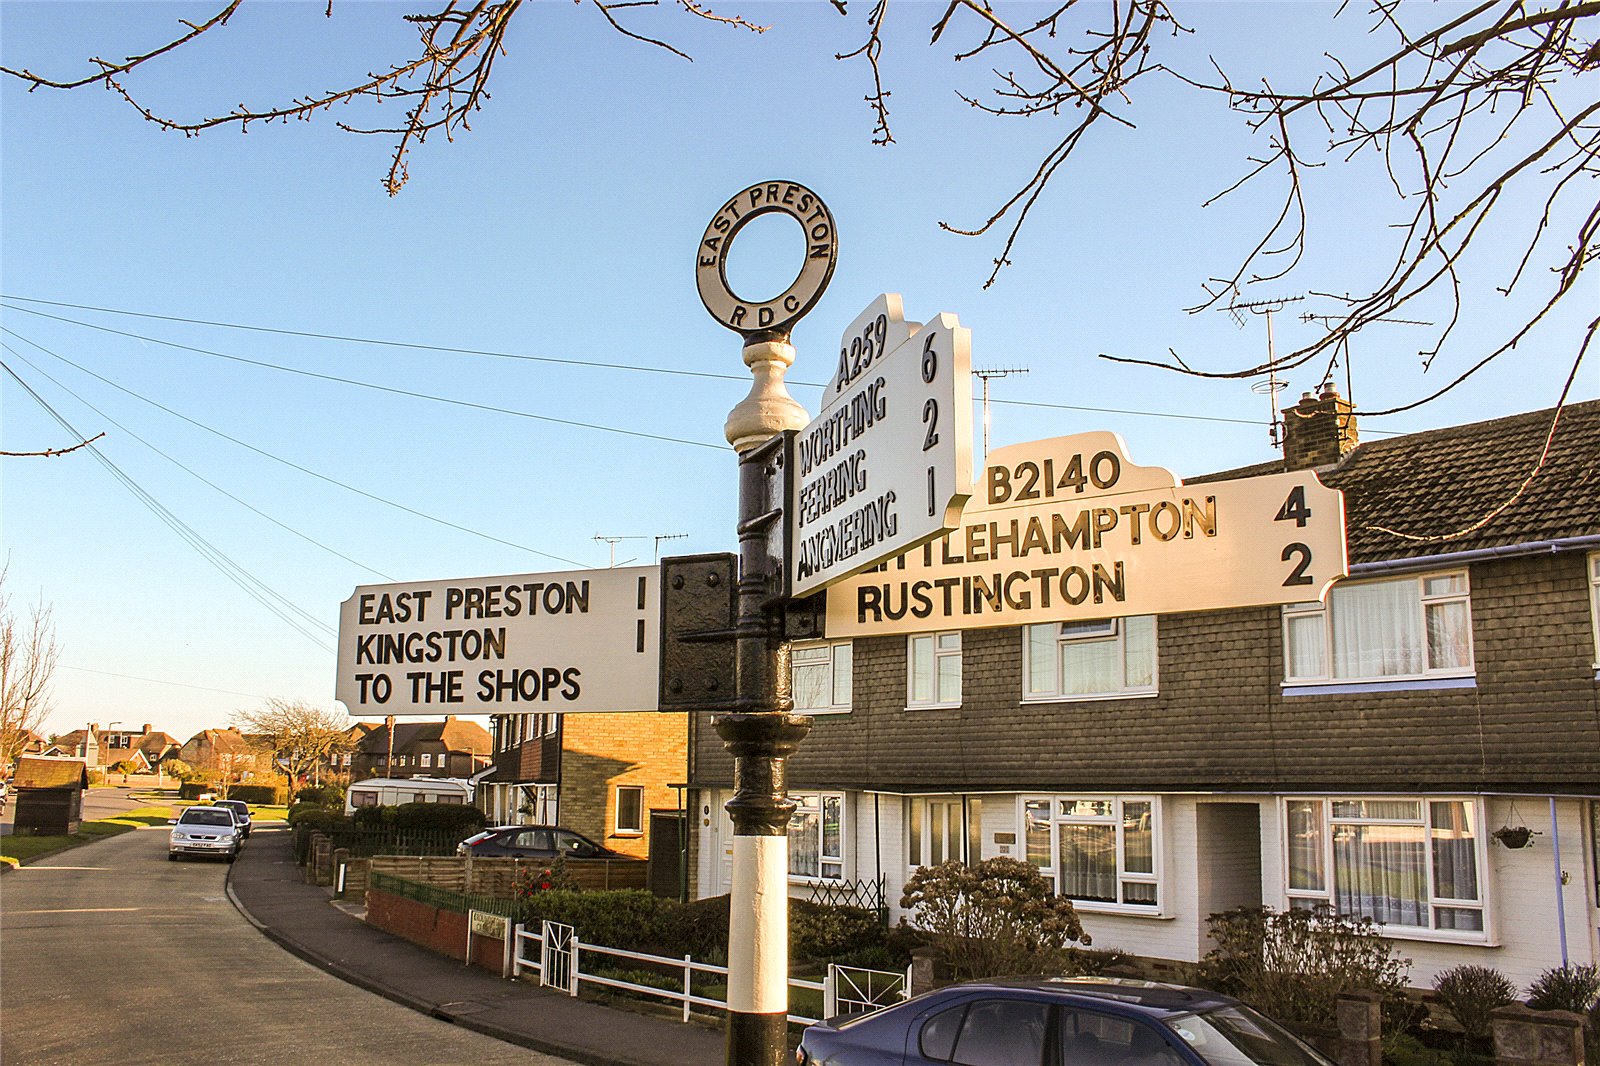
(1058, 1021)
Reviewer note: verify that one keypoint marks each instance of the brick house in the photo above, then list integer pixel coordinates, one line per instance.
(227, 754)
(614, 777)
(1362, 752)
(453, 747)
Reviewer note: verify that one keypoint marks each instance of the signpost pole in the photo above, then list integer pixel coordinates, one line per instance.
(763, 734)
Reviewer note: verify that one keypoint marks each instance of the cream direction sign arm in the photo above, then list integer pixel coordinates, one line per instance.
(1069, 529)
(887, 465)
(581, 640)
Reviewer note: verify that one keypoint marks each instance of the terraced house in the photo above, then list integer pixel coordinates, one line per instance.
(1421, 747)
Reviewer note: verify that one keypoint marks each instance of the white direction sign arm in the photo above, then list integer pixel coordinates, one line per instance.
(887, 465)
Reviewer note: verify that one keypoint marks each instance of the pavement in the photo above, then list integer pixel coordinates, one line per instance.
(265, 885)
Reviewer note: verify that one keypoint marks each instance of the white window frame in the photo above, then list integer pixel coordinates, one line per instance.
(962, 818)
(839, 656)
(937, 649)
(1055, 804)
(1301, 611)
(1113, 630)
(1594, 606)
(830, 867)
(427, 760)
(628, 830)
(1306, 896)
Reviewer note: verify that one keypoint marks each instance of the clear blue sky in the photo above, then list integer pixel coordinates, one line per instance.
(564, 226)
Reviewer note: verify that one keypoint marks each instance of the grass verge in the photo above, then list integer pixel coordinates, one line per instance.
(21, 850)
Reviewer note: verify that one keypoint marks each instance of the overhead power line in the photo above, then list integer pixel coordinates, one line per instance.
(307, 470)
(181, 466)
(523, 356)
(376, 387)
(246, 581)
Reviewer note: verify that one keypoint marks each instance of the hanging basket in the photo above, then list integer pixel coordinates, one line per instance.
(1513, 836)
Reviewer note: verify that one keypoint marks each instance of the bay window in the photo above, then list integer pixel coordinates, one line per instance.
(1102, 852)
(816, 836)
(934, 670)
(819, 675)
(1408, 627)
(1085, 660)
(1407, 863)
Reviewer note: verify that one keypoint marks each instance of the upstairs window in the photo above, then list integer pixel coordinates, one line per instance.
(1594, 602)
(427, 761)
(1088, 660)
(1408, 627)
(934, 670)
(820, 677)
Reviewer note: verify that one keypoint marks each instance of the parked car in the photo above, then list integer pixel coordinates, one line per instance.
(536, 842)
(205, 831)
(240, 808)
(1071, 1021)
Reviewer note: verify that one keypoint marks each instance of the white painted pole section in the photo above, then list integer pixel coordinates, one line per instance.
(758, 941)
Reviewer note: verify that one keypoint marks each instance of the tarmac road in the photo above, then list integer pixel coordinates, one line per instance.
(114, 955)
(99, 803)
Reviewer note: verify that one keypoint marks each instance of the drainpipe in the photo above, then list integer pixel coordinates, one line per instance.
(1561, 906)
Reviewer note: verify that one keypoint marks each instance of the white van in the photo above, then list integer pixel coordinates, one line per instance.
(393, 791)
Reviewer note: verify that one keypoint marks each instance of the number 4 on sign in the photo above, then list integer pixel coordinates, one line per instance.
(1294, 508)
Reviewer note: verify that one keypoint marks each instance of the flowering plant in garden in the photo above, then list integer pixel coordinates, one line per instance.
(995, 917)
(533, 880)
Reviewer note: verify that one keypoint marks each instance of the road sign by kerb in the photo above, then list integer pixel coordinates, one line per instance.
(887, 465)
(1069, 529)
(582, 640)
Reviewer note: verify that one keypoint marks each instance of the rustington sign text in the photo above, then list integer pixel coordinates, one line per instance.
(584, 640)
(1068, 529)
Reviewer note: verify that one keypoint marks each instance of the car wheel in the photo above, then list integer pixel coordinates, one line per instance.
(172, 856)
(231, 856)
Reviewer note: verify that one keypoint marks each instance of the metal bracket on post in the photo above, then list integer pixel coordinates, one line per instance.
(697, 615)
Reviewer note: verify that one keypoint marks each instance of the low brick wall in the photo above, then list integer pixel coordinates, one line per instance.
(437, 930)
(498, 876)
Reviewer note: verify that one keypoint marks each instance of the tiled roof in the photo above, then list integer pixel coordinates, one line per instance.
(454, 734)
(42, 771)
(1441, 482)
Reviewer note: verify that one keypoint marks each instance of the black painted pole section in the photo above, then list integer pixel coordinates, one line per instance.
(760, 736)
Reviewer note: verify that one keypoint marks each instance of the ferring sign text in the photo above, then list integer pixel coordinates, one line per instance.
(777, 315)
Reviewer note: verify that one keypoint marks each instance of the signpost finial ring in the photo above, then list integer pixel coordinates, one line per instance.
(767, 319)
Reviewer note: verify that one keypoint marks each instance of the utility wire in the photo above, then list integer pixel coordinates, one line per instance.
(158, 681)
(246, 581)
(376, 387)
(564, 362)
(186, 469)
(308, 471)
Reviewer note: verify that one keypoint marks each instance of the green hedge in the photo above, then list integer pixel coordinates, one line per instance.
(322, 795)
(273, 794)
(191, 789)
(439, 818)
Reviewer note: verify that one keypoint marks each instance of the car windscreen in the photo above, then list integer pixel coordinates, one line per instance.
(1238, 1036)
(194, 817)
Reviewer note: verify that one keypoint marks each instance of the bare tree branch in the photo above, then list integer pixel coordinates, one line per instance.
(57, 451)
(28, 656)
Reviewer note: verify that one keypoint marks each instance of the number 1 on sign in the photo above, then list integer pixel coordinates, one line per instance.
(930, 492)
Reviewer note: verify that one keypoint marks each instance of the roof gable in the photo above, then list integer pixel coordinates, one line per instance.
(42, 771)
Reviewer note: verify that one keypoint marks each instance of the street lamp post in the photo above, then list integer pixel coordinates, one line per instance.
(763, 732)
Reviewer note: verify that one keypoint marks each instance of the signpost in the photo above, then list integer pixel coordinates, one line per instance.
(581, 640)
(887, 464)
(1070, 529)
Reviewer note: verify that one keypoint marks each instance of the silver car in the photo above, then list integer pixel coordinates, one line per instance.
(204, 831)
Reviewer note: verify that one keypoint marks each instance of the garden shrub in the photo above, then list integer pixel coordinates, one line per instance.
(96, 776)
(1573, 988)
(373, 817)
(992, 918)
(552, 878)
(821, 933)
(300, 810)
(632, 918)
(700, 927)
(192, 789)
(438, 818)
(1471, 994)
(322, 795)
(1292, 965)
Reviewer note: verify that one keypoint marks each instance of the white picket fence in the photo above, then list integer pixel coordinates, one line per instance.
(555, 953)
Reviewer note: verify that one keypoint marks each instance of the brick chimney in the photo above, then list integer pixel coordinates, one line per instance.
(1319, 430)
(146, 730)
